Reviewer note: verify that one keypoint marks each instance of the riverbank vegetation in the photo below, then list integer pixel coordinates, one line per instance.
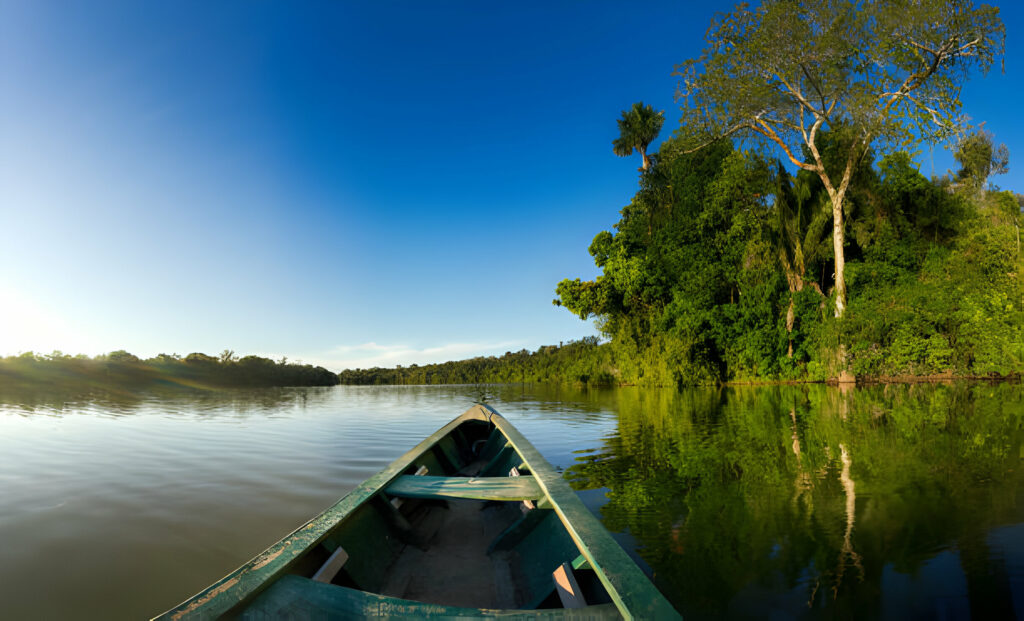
(821, 251)
(785, 230)
(721, 269)
(121, 368)
(577, 362)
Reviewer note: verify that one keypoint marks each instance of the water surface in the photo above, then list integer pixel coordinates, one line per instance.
(782, 502)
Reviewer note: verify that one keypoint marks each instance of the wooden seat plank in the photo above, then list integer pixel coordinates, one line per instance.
(478, 488)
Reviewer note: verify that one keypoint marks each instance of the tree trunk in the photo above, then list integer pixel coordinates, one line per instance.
(795, 283)
(837, 244)
(647, 160)
(836, 195)
(790, 316)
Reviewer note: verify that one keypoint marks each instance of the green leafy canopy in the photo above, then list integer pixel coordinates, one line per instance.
(887, 71)
(866, 72)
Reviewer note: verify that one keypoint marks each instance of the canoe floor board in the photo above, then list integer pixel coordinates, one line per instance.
(450, 569)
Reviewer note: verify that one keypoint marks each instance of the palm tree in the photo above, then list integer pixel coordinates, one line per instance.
(638, 128)
(802, 226)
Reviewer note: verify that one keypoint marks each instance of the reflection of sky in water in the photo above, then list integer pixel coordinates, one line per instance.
(937, 590)
(1008, 543)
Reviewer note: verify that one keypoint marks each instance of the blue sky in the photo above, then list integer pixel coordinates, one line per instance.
(347, 184)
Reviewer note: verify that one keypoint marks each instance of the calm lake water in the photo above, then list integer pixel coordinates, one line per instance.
(781, 502)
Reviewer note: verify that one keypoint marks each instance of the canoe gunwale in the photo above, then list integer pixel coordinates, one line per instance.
(631, 591)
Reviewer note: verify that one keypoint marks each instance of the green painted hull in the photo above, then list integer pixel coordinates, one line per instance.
(464, 540)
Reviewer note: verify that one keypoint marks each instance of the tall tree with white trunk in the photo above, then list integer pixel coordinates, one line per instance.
(884, 73)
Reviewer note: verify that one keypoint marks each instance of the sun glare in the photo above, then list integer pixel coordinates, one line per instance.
(26, 325)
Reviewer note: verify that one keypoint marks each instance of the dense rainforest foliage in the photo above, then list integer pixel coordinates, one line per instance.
(722, 266)
(121, 368)
(727, 266)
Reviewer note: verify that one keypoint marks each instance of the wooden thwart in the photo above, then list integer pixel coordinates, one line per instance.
(478, 488)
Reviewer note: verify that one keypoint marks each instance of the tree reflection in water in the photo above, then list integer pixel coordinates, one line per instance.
(744, 500)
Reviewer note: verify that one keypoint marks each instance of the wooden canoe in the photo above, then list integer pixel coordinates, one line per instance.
(471, 523)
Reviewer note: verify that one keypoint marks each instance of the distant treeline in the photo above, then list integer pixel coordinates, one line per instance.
(585, 361)
(121, 368)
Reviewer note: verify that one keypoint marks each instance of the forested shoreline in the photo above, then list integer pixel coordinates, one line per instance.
(720, 270)
(732, 279)
(196, 370)
(586, 361)
(785, 232)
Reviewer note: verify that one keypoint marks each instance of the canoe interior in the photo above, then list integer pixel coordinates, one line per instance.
(441, 545)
